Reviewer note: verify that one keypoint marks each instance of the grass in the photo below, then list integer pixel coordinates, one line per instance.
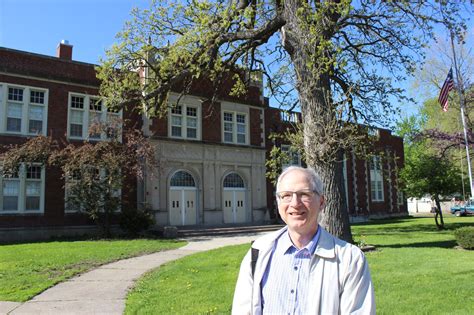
(416, 269)
(28, 269)
(202, 283)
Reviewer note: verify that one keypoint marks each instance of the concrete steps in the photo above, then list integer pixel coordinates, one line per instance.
(191, 231)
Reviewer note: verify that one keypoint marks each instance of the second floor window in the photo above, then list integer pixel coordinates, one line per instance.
(85, 113)
(376, 179)
(23, 110)
(185, 122)
(235, 127)
(292, 155)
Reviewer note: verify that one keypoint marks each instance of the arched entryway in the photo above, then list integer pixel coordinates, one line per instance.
(182, 199)
(233, 198)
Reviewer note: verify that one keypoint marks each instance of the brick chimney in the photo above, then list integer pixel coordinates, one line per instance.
(64, 50)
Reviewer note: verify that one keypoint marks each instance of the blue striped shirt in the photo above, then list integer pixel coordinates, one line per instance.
(285, 281)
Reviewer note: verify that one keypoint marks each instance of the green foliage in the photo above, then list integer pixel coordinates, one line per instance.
(415, 269)
(333, 54)
(28, 269)
(408, 128)
(133, 220)
(277, 158)
(427, 169)
(425, 173)
(94, 172)
(465, 237)
(435, 118)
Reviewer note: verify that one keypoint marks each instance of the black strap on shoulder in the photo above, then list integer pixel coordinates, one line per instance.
(254, 258)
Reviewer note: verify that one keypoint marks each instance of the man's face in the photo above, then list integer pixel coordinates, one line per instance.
(300, 214)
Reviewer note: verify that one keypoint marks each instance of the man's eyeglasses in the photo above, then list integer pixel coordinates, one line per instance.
(304, 195)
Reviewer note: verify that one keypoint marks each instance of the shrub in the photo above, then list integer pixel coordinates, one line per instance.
(133, 221)
(465, 237)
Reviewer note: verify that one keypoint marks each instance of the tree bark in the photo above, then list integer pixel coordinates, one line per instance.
(320, 141)
(439, 225)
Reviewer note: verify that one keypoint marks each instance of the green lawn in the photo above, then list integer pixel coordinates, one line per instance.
(416, 270)
(28, 269)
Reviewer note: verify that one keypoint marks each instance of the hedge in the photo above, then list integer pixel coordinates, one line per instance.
(465, 237)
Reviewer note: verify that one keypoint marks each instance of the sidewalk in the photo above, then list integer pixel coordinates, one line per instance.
(104, 290)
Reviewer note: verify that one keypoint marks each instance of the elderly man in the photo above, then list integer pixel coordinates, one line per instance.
(302, 269)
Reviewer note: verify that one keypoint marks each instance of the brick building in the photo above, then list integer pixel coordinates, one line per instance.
(211, 156)
(370, 183)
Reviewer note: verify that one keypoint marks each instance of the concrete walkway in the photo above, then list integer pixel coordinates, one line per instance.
(104, 290)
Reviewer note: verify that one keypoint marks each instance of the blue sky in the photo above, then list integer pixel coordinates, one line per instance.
(39, 25)
(89, 25)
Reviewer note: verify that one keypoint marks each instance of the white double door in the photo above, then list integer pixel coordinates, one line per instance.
(234, 205)
(183, 205)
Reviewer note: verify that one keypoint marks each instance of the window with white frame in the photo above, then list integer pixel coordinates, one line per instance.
(185, 122)
(23, 191)
(89, 111)
(400, 198)
(23, 109)
(292, 154)
(235, 127)
(373, 132)
(376, 179)
(95, 118)
(71, 204)
(289, 116)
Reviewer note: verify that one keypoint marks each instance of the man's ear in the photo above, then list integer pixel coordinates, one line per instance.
(322, 202)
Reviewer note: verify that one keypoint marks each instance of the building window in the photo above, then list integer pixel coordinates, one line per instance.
(14, 114)
(23, 110)
(95, 118)
(182, 179)
(291, 117)
(235, 127)
(373, 132)
(15, 94)
(14, 109)
(400, 198)
(36, 112)
(292, 155)
(70, 203)
(233, 180)
(23, 191)
(185, 122)
(75, 190)
(376, 179)
(86, 113)
(33, 188)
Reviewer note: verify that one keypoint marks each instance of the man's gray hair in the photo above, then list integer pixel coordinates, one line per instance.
(314, 179)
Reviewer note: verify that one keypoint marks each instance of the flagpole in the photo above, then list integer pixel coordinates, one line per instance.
(461, 100)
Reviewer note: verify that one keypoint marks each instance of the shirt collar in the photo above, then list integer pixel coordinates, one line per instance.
(285, 243)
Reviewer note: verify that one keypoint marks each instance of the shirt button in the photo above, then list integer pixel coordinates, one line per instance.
(292, 291)
(295, 267)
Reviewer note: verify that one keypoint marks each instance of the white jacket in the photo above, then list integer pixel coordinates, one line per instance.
(340, 281)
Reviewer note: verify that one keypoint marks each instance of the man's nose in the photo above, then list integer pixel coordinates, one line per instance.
(295, 200)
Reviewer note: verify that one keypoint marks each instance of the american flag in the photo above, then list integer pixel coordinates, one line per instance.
(448, 85)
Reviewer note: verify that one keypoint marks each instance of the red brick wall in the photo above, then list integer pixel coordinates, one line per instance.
(205, 88)
(255, 127)
(211, 122)
(51, 68)
(60, 77)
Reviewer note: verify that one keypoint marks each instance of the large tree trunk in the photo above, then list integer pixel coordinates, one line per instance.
(321, 139)
(334, 216)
